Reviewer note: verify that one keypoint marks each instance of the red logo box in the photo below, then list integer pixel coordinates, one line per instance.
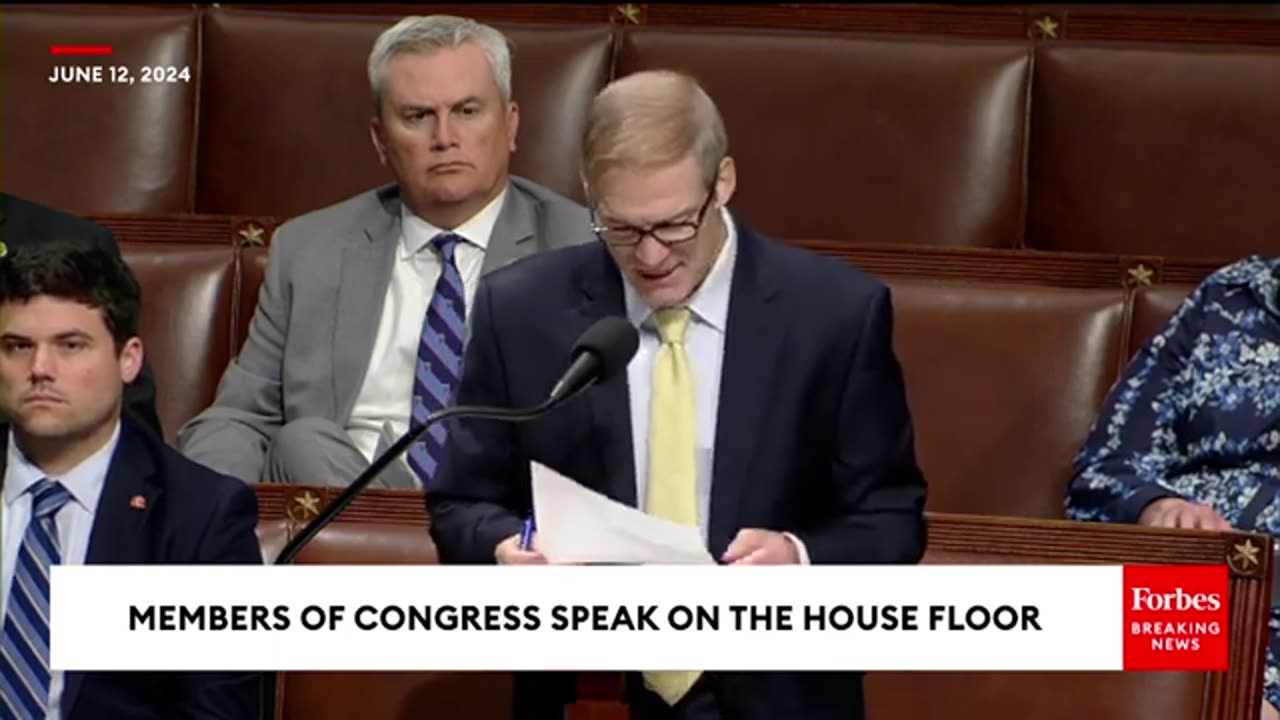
(1175, 617)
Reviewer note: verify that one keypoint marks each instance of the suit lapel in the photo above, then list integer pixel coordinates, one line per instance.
(514, 232)
(120, 528)
(362, 288)
(753, 337)
(129, 497)
(608, 402)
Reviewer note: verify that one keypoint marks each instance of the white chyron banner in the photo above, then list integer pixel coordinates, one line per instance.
(317, 617)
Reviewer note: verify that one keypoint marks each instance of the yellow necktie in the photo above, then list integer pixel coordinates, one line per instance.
(673, 468)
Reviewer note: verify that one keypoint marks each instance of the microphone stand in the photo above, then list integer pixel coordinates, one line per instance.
(340, 503)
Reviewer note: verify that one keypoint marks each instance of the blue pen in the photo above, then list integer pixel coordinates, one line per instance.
(526, 537)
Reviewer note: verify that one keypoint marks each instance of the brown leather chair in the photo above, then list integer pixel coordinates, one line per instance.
(101, 147)
(847, 138)
(1160, 150)
(188, 292)
(1003, 382)
(862, 139)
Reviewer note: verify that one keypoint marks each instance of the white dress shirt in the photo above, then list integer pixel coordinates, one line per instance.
(386, 396)
(75, 521)
(704, 342)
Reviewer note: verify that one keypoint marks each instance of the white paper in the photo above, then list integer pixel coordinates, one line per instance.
(578, 525)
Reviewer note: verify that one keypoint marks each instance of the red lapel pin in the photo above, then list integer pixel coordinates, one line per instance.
(138, 503)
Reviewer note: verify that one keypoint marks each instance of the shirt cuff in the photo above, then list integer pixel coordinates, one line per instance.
(801, 550)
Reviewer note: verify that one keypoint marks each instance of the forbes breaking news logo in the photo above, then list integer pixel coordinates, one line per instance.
(1175, 617)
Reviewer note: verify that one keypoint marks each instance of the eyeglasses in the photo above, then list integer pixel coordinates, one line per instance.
(665, 233)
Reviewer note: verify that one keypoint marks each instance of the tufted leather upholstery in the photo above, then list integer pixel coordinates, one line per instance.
(188, 292)
(869, 140)
(103, 147)
(843, 137)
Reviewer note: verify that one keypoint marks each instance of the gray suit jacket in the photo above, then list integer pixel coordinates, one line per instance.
(318, 310)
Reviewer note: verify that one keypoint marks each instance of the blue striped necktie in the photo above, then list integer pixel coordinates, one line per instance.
(24, 650)
(439, 357)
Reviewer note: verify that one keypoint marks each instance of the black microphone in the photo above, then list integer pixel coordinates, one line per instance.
(600, 353)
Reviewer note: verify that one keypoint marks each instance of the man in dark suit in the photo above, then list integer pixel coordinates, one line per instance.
(23, 222)
(84, 483)
(765, 404)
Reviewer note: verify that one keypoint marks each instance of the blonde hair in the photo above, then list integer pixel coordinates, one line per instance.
(650, 119)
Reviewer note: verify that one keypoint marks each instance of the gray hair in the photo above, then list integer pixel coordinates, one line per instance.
(417, 34)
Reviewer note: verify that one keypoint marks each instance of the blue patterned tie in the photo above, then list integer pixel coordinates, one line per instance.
(439, 357)
(24, 650)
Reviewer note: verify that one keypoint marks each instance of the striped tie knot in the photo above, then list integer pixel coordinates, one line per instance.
(48, 497)
(445, 244)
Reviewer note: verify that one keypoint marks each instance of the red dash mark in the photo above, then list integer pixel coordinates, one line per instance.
(80, 50)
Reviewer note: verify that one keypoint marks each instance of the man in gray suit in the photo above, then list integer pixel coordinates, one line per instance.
(360, 322)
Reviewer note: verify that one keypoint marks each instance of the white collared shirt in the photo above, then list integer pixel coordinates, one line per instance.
(385, 397)
(75, 521)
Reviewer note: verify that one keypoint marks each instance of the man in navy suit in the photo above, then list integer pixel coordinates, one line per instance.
(85, 484)
(22, 223)
(765, 403)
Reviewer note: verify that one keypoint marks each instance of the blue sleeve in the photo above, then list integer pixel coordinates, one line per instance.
(230, 539)
(1134, 443)
(877, 494)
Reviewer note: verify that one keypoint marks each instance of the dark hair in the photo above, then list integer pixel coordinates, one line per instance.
(77, 271)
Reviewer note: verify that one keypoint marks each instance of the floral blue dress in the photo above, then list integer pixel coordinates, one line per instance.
(1197, 415)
